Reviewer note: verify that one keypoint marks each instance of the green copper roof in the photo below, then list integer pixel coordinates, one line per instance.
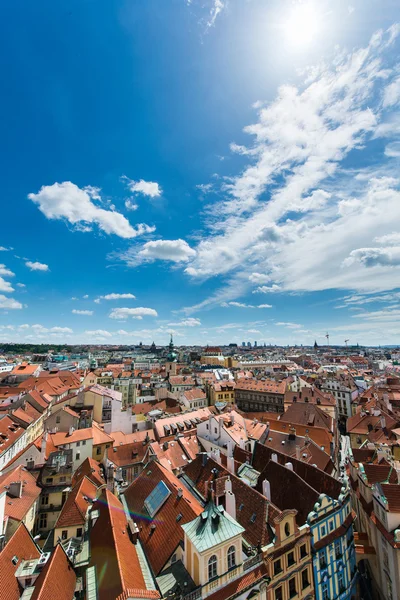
(214, 526)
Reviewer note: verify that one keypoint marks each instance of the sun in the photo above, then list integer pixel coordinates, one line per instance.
(303, 24)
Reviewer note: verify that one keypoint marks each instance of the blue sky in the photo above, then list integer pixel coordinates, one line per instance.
(223, 169)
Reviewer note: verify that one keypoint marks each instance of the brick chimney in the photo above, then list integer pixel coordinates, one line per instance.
(266, 487)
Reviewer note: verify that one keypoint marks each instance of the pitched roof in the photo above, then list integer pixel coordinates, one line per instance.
(75, 508)
(240, 585)
(128, 454)
(17, 508)
(114, 554)
(23, 547)
(391, 491)
(267, 386)
(380, 473)
(253, 511)
(305, 413)
(167, 526)
(90, 468)
(214, 526)
(120, 438)
(57, 579)
(10, 432)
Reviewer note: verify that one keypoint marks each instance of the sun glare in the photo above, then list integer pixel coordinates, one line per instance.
(302, 24)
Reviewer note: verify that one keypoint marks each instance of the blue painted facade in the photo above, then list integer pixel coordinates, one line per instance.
(332, 543)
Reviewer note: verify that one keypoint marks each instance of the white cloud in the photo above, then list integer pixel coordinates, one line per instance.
(264, 306)
(289, 325)
(217, 7)
(259, 278)
(118, 297)
(393, 150)
(5, 286)
(267, 289)
(243, 305)
(96, 300)
(82, 312)
(135, 313)
(24, 326)
(99, 333)
(21, 285)
(391, 95)
(297, 164)
(4, 272)
(131, 205)
(9, 303)
(189, 322)
(67, 201)
(36, 266)
(3, 249)
(146, 188)
(172, 250)
(61, 330)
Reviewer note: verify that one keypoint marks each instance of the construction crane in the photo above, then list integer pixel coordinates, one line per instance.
(327, 337)
(345, 341)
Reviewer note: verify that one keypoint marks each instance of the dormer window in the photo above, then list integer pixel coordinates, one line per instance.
(287, 529)
(212, 567)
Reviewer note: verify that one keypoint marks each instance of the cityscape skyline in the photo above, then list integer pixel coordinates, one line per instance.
(218, 185)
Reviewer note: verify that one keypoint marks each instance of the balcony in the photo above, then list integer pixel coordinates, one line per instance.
(253, 561)
(194, 595)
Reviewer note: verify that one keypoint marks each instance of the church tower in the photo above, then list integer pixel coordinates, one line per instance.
(170, 365)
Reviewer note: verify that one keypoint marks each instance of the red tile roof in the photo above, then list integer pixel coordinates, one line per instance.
(10, 432)
(91, 469)
(166, 525)
(114, 555)
(75, 508)
(57, 581)
(17, 508)
(23, 547)
(240, 585)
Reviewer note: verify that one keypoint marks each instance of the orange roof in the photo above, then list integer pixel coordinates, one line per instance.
(10, 431)
(23, 547)
(114, 554)
(17, 508)
(57, 580)
(269, 385)
(91, 469)
(75, 508)
(167, 527)
(119, 437)
(25, 369)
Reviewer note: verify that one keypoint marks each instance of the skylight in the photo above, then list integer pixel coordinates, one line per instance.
(156, 498)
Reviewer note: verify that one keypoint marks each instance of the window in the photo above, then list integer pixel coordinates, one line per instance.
(63, 498)
(43, 521)
(49, 480)
(338, 549)
(64, 534)
(63, 479)
(303, 551)
(83, 442)
(231, 557)
(98, 450)
(325, 592)
(290, 559)
(322, 559)
(215, 430)
(212, 567)
(278, 593)
(58, 419)
(79, 532)
(323, 530)
(78, 444)
(304, 579)
(287, 529)
(277, 567)
(45, 500)
(77, 456)
(331, 523)
(341, 582)
(292, 587)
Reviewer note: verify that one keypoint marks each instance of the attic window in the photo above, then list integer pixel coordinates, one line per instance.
(156, 498)
(241, 506)
(179, 517)
(253, 518)
(14, 560)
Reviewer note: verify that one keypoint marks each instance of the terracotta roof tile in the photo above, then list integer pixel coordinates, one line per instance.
(57, 579)
(90, 468)
(17, 508)
(23, 547)
(75, 508)
(166, 525)
(114, 554)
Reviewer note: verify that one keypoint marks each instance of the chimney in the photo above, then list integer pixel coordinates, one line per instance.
(289, 466)
(216, 455)
(230, 504)
(298, 452)
(230, 463)
(228, 484)
(204, 458)
(15, 490)
(165, 446)
(266, 488)
(274, 457)
(71, 430)
(232, 419)
(180, 493)
(383, 422)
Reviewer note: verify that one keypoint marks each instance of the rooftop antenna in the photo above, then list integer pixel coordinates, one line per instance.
(345, 341)
(327, 337)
